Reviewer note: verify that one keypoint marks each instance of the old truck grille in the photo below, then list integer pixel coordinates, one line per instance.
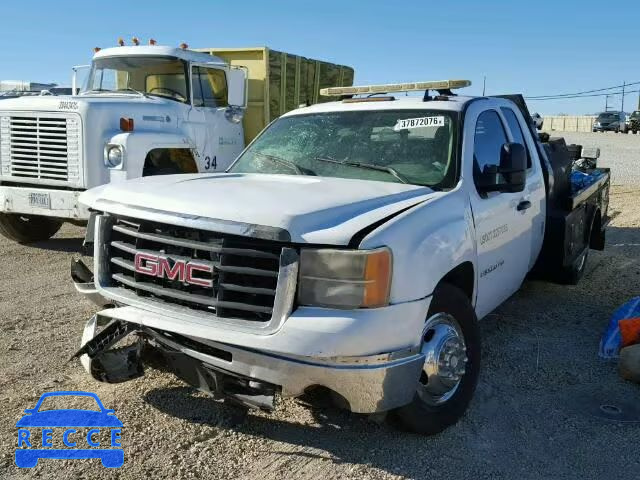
(43, 146)
(243, 271)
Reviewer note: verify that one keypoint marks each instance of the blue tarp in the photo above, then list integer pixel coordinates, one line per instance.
(581, 180)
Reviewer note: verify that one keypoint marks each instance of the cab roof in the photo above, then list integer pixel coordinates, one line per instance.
(160, 51)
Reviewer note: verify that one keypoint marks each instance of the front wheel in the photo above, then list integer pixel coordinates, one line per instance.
(452, 350)
(28, 228)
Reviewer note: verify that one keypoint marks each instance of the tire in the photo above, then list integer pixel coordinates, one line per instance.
(572, 274)
(27, 228)
(424, 415)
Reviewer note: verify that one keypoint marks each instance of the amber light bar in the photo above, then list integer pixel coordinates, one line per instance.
(395, 87)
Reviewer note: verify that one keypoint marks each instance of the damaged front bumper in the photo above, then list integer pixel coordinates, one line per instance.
(251, 377)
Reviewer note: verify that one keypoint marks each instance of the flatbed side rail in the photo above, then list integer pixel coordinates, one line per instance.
(577, 199)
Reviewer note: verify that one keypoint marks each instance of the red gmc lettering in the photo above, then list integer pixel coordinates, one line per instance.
(146, 264)
(177, 272)
(191, 267)
(157, 266)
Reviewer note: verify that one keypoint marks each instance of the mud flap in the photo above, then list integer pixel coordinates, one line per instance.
(106, 364)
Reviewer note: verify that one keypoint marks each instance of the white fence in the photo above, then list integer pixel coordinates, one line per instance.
(567, 123)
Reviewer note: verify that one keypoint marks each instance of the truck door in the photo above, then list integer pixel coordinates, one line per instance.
(219, 140)
(534, 191)
(502, 226)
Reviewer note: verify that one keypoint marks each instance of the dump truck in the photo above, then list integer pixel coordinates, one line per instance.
(145, 110)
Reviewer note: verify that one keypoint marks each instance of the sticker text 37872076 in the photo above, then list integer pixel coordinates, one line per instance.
(403, 124)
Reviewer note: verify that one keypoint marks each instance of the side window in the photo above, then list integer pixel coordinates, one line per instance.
(488, 141)
(516, 131)
(209, 88)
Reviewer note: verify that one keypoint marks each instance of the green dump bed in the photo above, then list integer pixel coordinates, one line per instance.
(279, 82)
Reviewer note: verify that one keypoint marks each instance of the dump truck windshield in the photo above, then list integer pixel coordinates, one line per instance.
(152, 75)
(407, 146)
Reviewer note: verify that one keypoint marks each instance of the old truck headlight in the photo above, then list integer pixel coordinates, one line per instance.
(345, 278)
(113, 156)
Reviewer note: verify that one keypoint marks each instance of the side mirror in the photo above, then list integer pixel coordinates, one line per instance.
(510, 175)
(237, 84)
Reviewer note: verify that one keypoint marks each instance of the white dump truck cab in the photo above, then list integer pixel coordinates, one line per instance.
(145, 110)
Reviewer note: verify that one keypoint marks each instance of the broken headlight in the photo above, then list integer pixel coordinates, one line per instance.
(345, 278)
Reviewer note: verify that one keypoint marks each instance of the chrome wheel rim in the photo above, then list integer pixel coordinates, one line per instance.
(445, 359)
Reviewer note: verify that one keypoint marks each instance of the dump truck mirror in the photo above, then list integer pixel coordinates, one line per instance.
(237, 82)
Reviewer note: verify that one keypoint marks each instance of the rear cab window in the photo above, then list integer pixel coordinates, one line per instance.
(516, 131)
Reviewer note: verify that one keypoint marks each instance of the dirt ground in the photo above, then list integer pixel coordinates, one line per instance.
(536, 413)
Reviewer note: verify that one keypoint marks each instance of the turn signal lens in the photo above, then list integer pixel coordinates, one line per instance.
(345, 278)
(126, 124)
(377, 277)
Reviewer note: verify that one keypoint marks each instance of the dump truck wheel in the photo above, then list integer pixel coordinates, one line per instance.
(451, 343)
(28, 228)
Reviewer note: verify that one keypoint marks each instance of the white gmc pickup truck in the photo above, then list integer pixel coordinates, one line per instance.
(354, 245)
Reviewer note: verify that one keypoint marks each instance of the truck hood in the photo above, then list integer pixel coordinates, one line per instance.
(68, 103)
(300, 209)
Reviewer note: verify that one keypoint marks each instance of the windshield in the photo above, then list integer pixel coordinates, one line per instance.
(636, 114)
(407, 146)
(608, 116)
(159, 76)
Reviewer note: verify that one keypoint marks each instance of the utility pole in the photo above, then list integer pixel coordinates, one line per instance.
(484, 86)
(622, 106)
(606, 103)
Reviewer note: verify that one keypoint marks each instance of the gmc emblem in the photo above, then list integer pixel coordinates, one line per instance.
(182, 270)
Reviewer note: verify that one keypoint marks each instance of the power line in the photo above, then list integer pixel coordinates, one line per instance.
(627, 92)
(577, 94)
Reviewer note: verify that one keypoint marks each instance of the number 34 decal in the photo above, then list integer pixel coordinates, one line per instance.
(210, 162)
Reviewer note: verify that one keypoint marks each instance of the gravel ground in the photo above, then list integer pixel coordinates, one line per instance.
(535, 414)
(618, 151)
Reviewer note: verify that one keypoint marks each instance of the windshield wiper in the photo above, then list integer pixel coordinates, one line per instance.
(370, 166)
(282, 161)
(129, 89)
(96, 90)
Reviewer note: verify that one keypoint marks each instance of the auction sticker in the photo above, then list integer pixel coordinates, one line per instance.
(419, 123)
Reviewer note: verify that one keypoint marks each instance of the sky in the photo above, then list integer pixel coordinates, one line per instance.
(536, 48)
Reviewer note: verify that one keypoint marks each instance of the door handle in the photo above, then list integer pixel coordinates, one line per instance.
(523, 205)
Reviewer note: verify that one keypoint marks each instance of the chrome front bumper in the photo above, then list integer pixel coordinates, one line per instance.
(368, 384)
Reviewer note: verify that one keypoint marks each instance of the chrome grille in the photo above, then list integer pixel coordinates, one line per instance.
(43, 147)
(244, 271)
